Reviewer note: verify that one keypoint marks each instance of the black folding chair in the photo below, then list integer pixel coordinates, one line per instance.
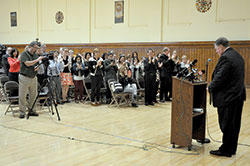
(11, 92)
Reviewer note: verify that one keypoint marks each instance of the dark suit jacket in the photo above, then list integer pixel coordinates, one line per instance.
(228, 79)
(168, 66)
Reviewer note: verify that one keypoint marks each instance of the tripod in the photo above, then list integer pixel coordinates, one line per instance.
(47, 83)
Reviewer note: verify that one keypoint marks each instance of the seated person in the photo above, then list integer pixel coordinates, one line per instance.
(129, 85)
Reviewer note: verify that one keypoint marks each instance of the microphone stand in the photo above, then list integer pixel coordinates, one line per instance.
(206, 71)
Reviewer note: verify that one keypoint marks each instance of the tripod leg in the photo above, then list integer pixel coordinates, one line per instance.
(52, 98)
(33, 105)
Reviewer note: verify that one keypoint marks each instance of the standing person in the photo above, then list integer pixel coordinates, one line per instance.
(228, 93)
(53, 71)
(110, 69)
(66, 77)
(41, 71)
(150, 77)
(78, 74)
(28, 79)
(96, 76)
(5, 63)
(163, 64)
(14, 62)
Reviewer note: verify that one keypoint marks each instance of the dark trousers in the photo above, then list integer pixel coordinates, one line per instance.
(13, 76)
(40, 78)
(78, 89)
(108, 93)
(166, 87)
(230, 121)
(96, 82)
(156, 90)
(150, 86)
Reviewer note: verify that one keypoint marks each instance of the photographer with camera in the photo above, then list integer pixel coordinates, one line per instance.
(28, 79)
(110, 69)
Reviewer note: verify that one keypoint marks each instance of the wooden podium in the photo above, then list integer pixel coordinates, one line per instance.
(185, 124)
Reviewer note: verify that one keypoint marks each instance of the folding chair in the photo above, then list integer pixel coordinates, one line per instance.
(118, 97)
(3, 80)
(86, 82)
(44, 95)
(103, 91)
(9, 88)
(140, 90)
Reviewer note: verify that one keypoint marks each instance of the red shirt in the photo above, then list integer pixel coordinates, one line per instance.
(14, 65)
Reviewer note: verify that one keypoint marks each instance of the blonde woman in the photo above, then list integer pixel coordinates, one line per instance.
(66, 77)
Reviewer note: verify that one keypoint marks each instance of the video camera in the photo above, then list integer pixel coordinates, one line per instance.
(3, 49)
(47, 57)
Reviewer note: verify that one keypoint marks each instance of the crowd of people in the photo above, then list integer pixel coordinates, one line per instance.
(151, 71)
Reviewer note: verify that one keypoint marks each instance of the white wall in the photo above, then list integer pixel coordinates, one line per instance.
(92, 21)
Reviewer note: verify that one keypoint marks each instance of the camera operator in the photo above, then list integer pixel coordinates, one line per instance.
(28, 79)
(110, 69)
(5, 63)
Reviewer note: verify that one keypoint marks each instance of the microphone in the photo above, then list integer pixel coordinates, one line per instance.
(193, 63)
(182, 73)
(208, 60)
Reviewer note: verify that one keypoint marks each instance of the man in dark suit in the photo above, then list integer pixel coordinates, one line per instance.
(228, 93)
(166, 67)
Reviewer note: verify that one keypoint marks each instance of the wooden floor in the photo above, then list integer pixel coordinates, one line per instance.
(109, 136)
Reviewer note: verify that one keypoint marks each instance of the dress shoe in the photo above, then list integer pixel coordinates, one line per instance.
(220, 153)
(168, 99)
(151, 104)
(93, 103)
(162, 101)
(21, 116)
(146, 104)
(134, 105)
(33, 113)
